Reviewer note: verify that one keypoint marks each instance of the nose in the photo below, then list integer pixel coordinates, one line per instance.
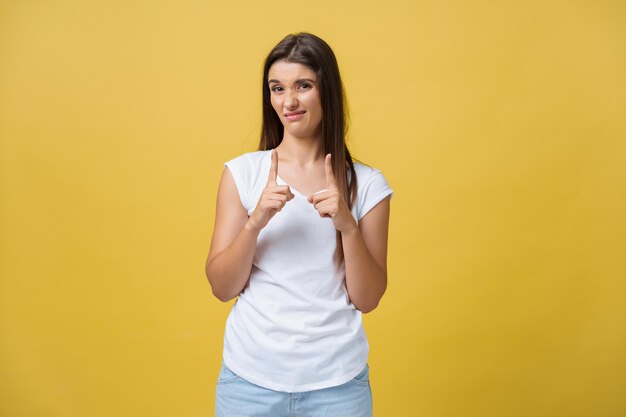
(291, 100)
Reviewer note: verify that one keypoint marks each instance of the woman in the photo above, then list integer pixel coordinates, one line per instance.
(300, 238)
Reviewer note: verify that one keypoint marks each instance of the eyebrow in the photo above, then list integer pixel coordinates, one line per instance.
(297, 81)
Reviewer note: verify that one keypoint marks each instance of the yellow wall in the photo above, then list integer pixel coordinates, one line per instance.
(498, 124)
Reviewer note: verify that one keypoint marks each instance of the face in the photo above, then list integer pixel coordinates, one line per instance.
(295, 97)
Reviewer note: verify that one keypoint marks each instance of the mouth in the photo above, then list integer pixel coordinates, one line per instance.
(295, 115)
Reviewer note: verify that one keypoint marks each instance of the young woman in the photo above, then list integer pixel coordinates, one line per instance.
(300, 238)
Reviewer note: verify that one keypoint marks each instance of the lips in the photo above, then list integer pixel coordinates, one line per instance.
(294, 116)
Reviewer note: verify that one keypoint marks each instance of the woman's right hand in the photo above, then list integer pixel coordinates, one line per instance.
(273, 198)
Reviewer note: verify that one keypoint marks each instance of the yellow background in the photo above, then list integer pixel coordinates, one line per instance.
(499, 125)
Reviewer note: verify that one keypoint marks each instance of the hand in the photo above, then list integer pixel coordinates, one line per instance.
(330, 202)
(273, 198)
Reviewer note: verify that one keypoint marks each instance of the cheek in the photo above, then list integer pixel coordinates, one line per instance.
(318, 110)
(275, 104)
(314, 104)
(317, 105)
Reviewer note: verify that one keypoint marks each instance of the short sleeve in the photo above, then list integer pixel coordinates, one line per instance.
(374, 189)
(238, 169)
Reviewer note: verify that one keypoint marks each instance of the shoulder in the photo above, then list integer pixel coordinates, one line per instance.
(372, 187)
(365, 173)
(363, 168)
(249, 163)
(253, 157)
(247, 171)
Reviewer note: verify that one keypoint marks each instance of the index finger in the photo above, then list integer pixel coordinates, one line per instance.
(330, 176)
(271, 180)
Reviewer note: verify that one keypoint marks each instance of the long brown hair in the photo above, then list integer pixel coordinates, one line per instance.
(310, 50)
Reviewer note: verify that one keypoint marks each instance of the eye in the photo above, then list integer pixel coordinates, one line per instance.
(276, 89)
(305, 86)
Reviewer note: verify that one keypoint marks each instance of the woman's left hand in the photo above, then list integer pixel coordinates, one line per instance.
(330, 202)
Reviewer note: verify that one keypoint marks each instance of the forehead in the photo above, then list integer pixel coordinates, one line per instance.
(290, 71)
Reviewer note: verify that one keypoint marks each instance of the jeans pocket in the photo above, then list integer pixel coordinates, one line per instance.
(226, 375)
(363, 378)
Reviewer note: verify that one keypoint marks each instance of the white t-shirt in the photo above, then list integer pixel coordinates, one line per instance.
(293, 327)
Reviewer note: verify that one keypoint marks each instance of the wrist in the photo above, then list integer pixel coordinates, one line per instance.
(351, 230)
(252, 227)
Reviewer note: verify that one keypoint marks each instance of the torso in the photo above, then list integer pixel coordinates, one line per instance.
(293, 328)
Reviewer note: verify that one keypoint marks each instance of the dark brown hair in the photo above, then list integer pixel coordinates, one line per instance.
(310, 50)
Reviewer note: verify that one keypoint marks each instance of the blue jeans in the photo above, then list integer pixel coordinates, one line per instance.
(236, 397)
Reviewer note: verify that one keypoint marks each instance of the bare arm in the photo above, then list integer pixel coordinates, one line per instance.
(364, 244)
(235, 234)
(233, 244)
(365, 251)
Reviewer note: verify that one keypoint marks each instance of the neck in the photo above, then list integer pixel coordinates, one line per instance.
(303, 152)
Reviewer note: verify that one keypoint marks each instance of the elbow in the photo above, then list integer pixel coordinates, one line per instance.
(220, 293)
(368, 308)
(370, 305)
(222, 296)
